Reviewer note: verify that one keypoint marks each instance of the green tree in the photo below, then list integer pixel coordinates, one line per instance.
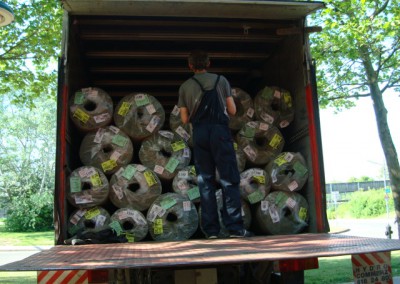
(27, 162)
(29, 49)
(358, 56)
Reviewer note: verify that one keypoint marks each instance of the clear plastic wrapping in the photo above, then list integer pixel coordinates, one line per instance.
(139, 115)
(89, 219)
(165, 153)
(91, 108)
(244, 109)
(108, 148)
(255, 184)
(185, 131)
(172, 217)
(134, 186)
(185, 183)
(87, 187)
(282, 213)
(274, 105)
(288, 172)
(246, 215)
(130, 222)
(260, 141)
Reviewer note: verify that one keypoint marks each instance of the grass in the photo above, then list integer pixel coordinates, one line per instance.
(25, 239)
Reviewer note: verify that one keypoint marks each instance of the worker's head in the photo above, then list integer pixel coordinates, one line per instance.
(198, 60)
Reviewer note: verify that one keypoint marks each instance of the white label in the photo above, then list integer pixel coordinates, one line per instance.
(118, 191)
(122, 215)
(183, 174)
(186, 152)
(83, 199)
(115, 156)
(277, 94)
(100, 219)
(258, 172)
(155, 210)
(252, 124)
(264, 126)
(114, 129)
(289, 157)
(167, 134)
(101, 117)
(158, 169)
(151, 109)
(99, 135)
(284, 123)
(293, 185)
(187, 206)
(140, 168)
(291, 202)
(264, 205)
(83, 172)
(250, 112)
(153, 123)
(274, 214)
(119, 172)
(250, 152)
(182, 133)
(267, 118)
(182, 185)
(175, 111)
(273, 176)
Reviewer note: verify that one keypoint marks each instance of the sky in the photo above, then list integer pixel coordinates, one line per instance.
(350, 141)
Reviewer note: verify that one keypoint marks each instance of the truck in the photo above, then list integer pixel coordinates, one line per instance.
(124, 46)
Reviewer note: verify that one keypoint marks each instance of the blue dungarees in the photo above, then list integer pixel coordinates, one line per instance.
(213, 149)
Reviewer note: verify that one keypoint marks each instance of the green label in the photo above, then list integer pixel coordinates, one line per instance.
(79, 98)
(280, 199)
(249, 132)
(255, 197)
(171, 165)
(141, 100)
(116, 226)
(119, 140)
(75, 184)
(129, 172)
(193, 193)
(267, 93)
(299, 169)
(167, 203)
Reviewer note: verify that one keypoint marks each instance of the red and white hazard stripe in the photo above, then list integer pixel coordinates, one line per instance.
(62, 277)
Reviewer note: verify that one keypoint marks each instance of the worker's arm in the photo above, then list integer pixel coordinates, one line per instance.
(184, 115)
(230, 106)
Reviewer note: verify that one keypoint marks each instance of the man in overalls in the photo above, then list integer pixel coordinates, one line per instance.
(205, 100)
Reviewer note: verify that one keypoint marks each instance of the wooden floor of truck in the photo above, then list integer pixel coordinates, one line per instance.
(199, 252)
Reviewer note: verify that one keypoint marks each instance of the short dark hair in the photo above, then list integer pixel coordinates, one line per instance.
(199, 59)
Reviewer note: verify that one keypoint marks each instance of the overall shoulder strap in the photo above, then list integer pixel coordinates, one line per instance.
(197, 81)
(216, 82)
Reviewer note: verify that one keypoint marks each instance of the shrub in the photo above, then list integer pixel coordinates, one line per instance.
(31, 214)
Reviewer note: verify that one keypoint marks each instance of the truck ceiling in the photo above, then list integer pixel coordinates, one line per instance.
(288, 10)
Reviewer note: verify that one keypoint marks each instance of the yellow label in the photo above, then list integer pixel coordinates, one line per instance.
(130, 237)
(158, 226)
(90, 214)
(124, 109)
(260, 179)
(108, 165)
(150, 179)
(179, 145)
(287, 99)
(96, 180)
(303, 213)
(235, 146)
(280, 160)
(275, 141)
(81, 115)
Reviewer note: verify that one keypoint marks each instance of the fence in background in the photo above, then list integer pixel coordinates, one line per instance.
(355, 186)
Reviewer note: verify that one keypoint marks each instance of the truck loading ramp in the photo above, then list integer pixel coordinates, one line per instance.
(199, 252)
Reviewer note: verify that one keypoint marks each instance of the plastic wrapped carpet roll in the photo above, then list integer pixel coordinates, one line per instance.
(244, 109)
(172, 217)
(108, 149)
(274, 106)
(260, 141)
(87, 187)
(282, 213)
(87, 220)
(134, 186)
(255, 184)
(288, 172)
(139, 115)
(185, 183)
(246, 215)
(185, 131)
(130, 222)
(91, 108)
(165, 153)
